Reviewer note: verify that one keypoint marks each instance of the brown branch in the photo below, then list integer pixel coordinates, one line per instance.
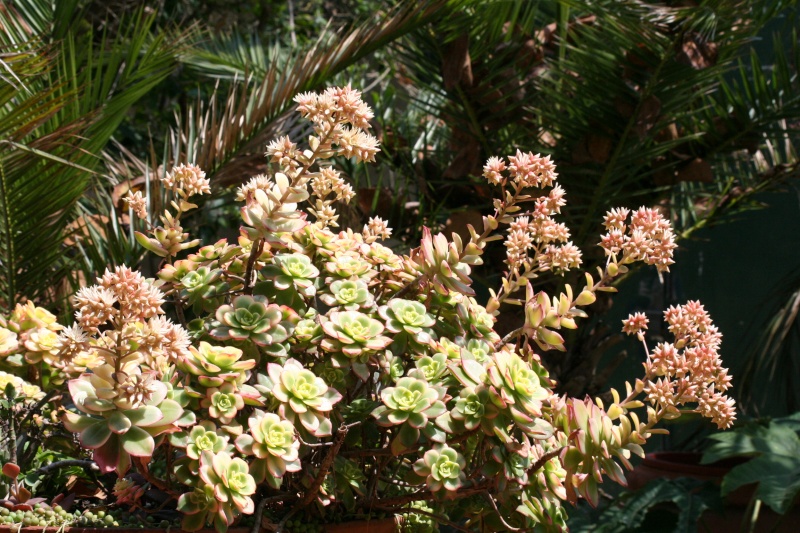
(543, 459)
(402, 292)
(439, 518)
(381, 452)
(87, 464)
(399, 501)
(309, 496)
(499, 514)
(141, 466)
(373, 452)
(179, 311)
(259, 513)
(255, 252)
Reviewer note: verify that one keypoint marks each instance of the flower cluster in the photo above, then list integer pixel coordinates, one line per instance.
(187, 180)
(690, 369)
(647, 237)
(307, 362)
(170, 239)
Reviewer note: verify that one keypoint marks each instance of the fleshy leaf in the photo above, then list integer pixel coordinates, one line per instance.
(118, 422)
(138, 442)
(96, 435)
(147, 415)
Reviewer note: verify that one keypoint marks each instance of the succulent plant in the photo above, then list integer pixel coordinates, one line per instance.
(348, 265)
(383, 257)
(350, 295)
(407, 316)
(41, 344)
(200, 507)
(430, 369)
(167, 240)
(353, 333)
(474, 408)
(302, 395)
(28, 316)
(512, 463)
(446, 265)
(480, 349)
(307, 330)
(202, 438)
(122, 425)
(199, 285)
(478, 321)
(517, 387)
(214, 365)
(232, 487)
(223, 403)
(9, 342)
(272, 211)
(413, 403)
(447, 347)
(598, 444)
(368, 349)
(296, 271)
(273, 443)
(251, 317)
(442, 467)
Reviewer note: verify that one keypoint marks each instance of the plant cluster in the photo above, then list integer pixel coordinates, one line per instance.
(317, 370)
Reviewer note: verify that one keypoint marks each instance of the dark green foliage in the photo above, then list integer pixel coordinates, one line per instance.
(663, 506)
(775, 464)
(64, 94)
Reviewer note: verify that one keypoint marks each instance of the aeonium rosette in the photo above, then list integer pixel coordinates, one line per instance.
(270, 212)
(356, 336)
(214, 365)
(122, 417)
(273, 442)
(301, 395)
(224, 492)
(443, 468)
(253, 318)
(409, 318)
(517, 389)
(412, 404)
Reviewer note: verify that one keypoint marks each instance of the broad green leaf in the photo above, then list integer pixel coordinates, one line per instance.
(138, 442)
(118, 422)
(170, 410)
(96, 435)
(147, 415)
(778, 478)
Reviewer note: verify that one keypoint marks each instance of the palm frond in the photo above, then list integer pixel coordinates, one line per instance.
(76, 91)
(773, 355)
(625, 96)
(226, 135)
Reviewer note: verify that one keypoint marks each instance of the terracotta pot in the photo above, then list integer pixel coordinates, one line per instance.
(384, 525)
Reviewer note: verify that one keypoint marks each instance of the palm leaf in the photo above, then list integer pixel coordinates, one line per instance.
(624, 95)
(226, 135)
(76, 91)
